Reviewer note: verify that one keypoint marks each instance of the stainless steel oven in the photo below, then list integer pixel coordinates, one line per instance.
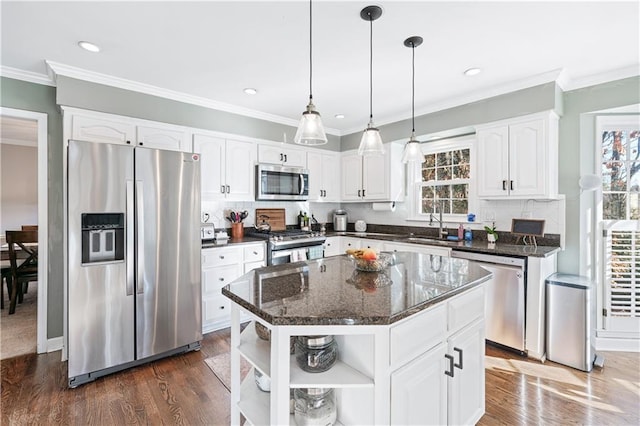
(298, 254)
(275, 182)
(292, 245)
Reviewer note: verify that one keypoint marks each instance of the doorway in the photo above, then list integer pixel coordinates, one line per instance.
(21, 128)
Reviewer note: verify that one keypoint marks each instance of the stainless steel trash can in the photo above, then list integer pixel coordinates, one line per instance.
(571, 316)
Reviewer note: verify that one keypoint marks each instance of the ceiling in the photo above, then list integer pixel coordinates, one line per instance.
(212, 50)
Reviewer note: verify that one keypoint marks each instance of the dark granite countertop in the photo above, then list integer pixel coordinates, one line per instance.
(476, 245)
(330, 291)
(231, 242)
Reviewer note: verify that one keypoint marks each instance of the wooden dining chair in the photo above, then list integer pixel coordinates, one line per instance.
(29, 227)
(24, 268)
(5, 277)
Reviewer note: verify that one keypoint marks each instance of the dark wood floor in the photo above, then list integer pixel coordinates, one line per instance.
(182, 390)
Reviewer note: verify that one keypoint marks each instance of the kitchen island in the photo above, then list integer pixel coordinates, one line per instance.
(410, 339)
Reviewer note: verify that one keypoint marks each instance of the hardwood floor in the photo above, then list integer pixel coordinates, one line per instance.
(182, 390)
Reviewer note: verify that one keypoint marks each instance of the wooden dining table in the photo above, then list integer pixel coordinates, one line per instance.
(4, 250)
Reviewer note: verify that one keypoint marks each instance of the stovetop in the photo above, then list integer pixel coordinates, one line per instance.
(290, 237)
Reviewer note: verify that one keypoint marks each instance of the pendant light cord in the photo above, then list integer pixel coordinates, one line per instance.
(310, 49)
(413, 88)
(370, 69)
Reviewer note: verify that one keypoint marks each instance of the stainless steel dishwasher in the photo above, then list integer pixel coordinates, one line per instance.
(505, 298)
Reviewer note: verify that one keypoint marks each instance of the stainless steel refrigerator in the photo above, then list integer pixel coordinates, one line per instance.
(134, 280)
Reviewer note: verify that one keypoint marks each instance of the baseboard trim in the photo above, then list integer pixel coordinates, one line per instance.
(617, 344)
(54, 344)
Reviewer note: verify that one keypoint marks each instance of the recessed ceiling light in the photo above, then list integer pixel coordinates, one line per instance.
(89, 46)
(339, 116)
(472, 71)
(250, 91)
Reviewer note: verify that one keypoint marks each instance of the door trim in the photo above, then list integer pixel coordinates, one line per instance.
(43, 231)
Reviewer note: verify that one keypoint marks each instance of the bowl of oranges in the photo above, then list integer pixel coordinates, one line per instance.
(367, 260)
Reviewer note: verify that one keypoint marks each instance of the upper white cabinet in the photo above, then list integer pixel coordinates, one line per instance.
(275, 154)
(227, 168)
(107, 128)
(373, 178)
(324, 176)
(519, 158)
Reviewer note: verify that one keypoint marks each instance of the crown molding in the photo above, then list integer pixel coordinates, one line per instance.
(605, 77)
(30, 76)
(56, 69)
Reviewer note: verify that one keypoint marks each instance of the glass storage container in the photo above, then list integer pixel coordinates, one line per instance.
(316, 354)
(315, 406)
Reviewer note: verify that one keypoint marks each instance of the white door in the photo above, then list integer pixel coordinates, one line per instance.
(493, 162)
(351, 177)
(419, 390)
(466, 387)
(212, 170)
(527, 168)
(176, 139)
(316, 177)
(99, 130)
(240, 170)
(375, 178)
(331, 177)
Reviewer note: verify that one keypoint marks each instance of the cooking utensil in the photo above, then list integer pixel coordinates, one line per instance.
(233, 217)
(244, 215)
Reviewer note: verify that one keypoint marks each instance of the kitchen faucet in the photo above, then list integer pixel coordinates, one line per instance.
(440, 207)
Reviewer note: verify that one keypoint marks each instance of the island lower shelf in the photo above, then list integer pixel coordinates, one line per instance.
(379, 368)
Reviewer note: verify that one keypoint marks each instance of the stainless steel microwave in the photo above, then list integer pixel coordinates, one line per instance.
(275, 182)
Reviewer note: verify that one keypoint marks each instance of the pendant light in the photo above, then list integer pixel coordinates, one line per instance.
(371, 142)
(310, 130)
(412, 151)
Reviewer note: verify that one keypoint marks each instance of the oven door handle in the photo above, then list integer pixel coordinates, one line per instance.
(281, 253)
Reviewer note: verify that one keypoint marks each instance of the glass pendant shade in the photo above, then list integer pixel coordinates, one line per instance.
(412, 152)
(310, 130)
(371, 142)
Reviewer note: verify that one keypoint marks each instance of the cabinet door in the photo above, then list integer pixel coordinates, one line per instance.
(466, 391)
(377, 245)
(282, 155)
(527, 168)
(350, 243)
(351, 177)
(240, 170)
(164, 138)
(295, 157)
(332, 246)
(419, 391)
(316, 177)
(493, 162)
(212, 170)
(100, 130)
(375, 178)
(331, 177)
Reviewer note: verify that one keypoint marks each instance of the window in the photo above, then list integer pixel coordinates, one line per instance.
(620, 174)
(443, 178)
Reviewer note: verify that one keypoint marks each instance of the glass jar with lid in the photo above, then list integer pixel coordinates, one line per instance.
(315, 406)
(316, 354)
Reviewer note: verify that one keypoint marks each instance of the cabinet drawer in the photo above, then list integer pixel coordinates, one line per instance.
(215, 308)
(465, 309)
(218, 257)
(417, 335)
(214, 279)
(254, 253)
(252, 265)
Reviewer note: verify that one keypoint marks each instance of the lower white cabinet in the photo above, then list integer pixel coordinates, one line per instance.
(418, 248)
(332, 246)
(220, 266)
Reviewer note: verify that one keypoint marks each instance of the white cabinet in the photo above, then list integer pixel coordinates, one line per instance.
(519, 158)
(220, 266)
(228, 168)
(286, 156)
(108, 128)
(445, 383)
(324, 176)
(332, 246)
(373, 178)
(360, 243)
(418, 248)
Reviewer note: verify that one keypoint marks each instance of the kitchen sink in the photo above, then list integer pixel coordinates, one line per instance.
(427, 240)
(368, 234)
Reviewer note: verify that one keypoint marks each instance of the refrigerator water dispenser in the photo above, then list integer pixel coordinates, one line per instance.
(102, 237)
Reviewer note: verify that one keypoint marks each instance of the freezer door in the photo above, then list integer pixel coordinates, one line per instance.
(100, 296)
(168, 289)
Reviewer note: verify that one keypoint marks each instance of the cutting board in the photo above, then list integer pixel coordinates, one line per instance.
(276, 218)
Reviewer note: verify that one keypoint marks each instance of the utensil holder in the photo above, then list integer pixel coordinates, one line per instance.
(237, 231)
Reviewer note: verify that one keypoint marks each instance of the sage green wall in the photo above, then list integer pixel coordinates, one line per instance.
(579, 106)
(39, 98)
(522, 102)
(99, 97)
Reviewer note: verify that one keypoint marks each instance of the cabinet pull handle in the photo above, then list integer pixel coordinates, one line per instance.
(450, 371)
(359, 191)
(511, 185)
(228, 189)
(222, 189)
(285, 158)
(459, 364)
(281, 157)
(504, 185)
(363, 193)
(255, 253)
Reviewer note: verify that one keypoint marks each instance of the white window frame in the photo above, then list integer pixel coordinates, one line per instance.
(414, 178)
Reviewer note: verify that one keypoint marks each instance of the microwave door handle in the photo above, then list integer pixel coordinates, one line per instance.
(301, 184)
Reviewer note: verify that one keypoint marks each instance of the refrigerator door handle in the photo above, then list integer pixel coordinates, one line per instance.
(140, 238)
(130, 239)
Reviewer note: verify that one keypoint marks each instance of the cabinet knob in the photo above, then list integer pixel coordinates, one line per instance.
(255, 253)
(221, 257)
(221, 279)
(140, 143)
(221, 307)
(129, 142)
